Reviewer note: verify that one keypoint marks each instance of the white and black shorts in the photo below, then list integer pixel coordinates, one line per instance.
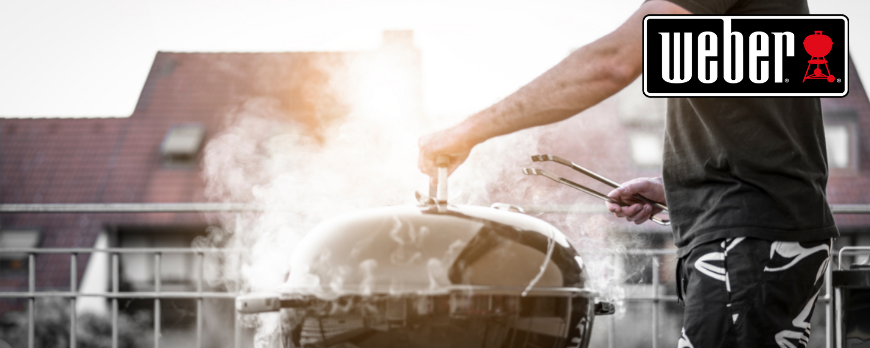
(747, 292)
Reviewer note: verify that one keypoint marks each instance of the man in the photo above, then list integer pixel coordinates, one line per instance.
(744, 180)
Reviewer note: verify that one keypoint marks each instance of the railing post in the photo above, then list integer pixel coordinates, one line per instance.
(199, 265)
(73, 289)
(157, 315)
(238, 322)
(829, 299)
(611, 334)
(31, 302)
(655, 301)
(115, 286)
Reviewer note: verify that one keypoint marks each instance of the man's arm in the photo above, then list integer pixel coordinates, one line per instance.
(585, 78)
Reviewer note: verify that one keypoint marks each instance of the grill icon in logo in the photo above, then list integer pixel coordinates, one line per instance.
(818, 46)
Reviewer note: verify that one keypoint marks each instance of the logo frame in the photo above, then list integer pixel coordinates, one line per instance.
(645, 74)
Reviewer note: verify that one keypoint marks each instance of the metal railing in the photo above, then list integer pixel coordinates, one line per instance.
(115, 294)
(656, 298)
(654, 255)
(250, 207)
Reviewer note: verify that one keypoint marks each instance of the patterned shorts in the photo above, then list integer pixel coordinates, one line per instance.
(746, 292)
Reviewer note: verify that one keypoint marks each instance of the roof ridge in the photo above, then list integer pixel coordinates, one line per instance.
(254, 52)
(47, 117)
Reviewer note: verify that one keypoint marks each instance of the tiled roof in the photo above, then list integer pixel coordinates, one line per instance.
(117, 160)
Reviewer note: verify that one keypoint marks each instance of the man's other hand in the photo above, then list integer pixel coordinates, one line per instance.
(634, 209)
(452, 142)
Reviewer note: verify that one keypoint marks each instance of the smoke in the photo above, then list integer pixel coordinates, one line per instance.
(492, 172)
(303, 175)
(605, 268)
(304, 169)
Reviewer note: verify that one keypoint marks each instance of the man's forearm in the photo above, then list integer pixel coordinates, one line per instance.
(583, 79)
(588, 76)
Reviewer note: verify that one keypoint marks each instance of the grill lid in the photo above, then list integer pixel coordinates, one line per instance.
(418, 250)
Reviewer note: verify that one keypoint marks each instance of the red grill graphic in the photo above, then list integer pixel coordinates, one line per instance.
(818, 46)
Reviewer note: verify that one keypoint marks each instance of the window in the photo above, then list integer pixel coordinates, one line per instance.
(841, 141)
(646, 148)
(11, 239)
(177, 270)
(181, 145)
(838, 144)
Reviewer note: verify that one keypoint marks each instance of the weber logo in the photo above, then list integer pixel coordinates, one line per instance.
(745, 56)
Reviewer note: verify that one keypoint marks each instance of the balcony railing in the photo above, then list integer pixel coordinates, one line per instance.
(199, 295)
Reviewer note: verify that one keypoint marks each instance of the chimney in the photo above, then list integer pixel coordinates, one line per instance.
(398, 38)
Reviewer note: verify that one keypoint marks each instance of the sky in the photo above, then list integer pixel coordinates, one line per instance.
(90, 58)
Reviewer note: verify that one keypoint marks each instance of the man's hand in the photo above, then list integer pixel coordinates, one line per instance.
(636, 210)
(454, 142)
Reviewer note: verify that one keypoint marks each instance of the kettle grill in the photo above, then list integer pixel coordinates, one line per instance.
(434, 275)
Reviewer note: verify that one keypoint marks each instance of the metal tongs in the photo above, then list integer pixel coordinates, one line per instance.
(596, 194)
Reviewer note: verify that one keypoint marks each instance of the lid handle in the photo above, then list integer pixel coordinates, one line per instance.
(443, 163)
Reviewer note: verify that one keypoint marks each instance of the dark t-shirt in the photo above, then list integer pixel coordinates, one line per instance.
(747, 167)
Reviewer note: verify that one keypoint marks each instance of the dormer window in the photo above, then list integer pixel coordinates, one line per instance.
(180, 146)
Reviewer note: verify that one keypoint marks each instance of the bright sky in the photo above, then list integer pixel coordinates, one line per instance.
(91, 57)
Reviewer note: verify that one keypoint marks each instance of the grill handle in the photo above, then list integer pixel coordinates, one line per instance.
(440, 194)
(604, 308)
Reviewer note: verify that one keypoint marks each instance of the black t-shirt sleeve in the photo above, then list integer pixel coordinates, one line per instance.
(714, 7)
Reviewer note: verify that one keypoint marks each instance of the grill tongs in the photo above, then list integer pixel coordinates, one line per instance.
(596, 194)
